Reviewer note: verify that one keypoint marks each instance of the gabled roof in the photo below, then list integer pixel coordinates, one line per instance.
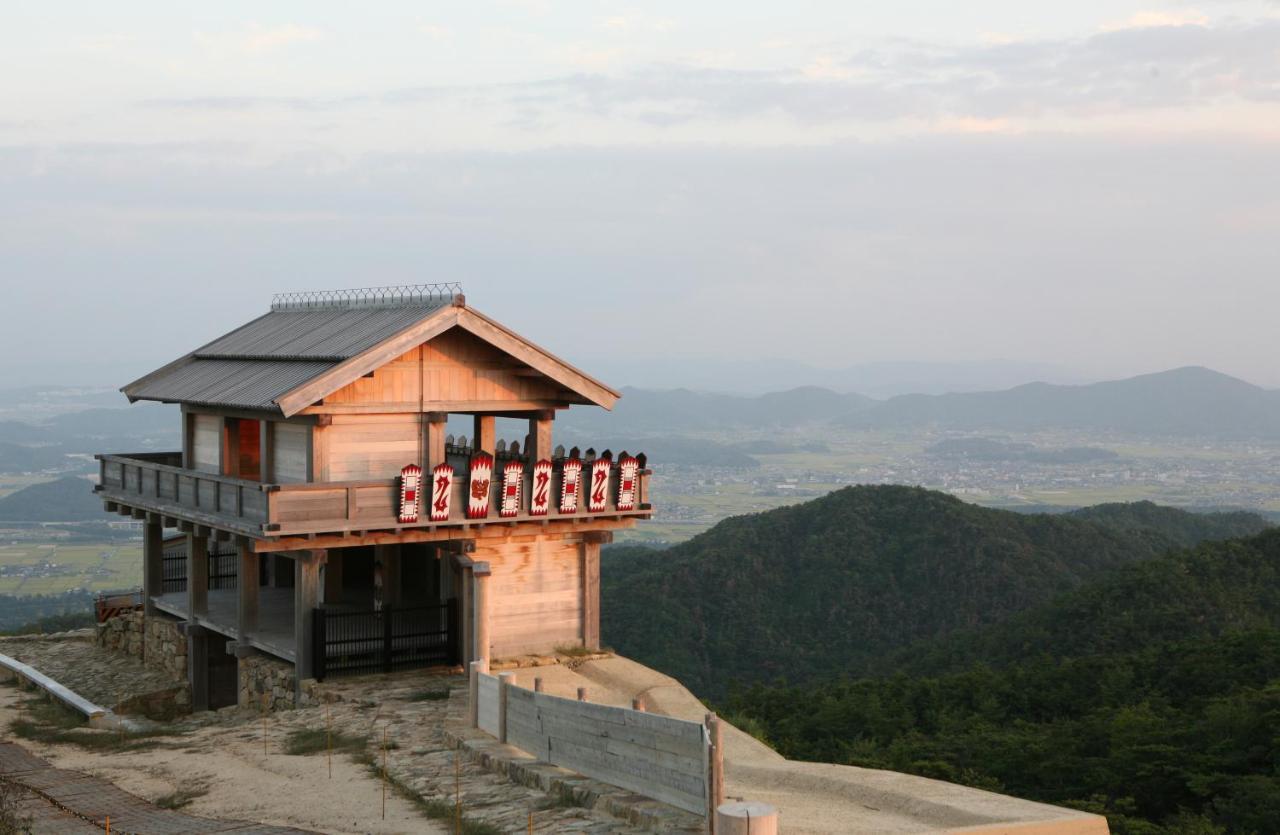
(306, 348)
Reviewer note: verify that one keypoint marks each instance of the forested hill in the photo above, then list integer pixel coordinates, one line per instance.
(1151, 694)
(835, 585)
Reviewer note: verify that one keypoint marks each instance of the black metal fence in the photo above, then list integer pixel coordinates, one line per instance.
(223, 566)
(349, 643)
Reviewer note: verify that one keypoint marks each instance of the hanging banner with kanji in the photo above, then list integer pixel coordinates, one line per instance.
(512, 475)
(410, 485)
(481, 478)
(627, 470)
(570, 484)
(441, 492)
(540, 492)
(599, 484)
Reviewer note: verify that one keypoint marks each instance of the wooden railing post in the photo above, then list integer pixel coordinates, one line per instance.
(715, 769)
(476, 668)
(505, 682)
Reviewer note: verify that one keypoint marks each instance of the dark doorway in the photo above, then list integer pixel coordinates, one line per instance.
(224, 677)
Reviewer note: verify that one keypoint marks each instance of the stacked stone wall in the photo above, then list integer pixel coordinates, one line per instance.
(268, 683)
(165, 645)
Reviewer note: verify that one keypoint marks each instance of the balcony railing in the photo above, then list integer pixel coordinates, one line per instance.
(155, 482)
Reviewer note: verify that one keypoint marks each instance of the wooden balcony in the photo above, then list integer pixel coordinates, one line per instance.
(156, 483)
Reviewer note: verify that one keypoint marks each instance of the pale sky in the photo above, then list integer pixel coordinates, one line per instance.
(1091, 185)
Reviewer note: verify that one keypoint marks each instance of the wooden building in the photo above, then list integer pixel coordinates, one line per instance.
(303, 536)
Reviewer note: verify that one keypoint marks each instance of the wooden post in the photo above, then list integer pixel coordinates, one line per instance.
(266, 451)
(480, 573)
(152, 565)
(197, 577)
(746, 818)
(230, 447)
(591, 592)
(473, 707)
(638, 704)
(540, 436)
(715, 769)
(582, 694)
(485, 439)
(306, 593)
(505, 682)
(537, 684)
(466, 614)
(435, 424)
(389, 556)
(198, 666)
(247, 592)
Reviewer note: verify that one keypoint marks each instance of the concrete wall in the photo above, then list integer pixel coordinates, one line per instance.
(655, 756)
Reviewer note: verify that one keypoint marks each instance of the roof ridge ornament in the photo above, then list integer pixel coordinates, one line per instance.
(367, 298)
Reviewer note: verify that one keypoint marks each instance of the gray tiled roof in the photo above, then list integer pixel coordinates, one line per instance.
(255, 364)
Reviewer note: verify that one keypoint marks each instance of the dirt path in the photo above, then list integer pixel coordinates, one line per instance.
(224, 756)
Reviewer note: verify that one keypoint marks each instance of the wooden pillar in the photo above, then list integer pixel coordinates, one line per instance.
(746, 818)
(247, 586)
(466, 618)
(306, 594)
(188, 440)
(434, 427)
(152, 565)
(480, 573)
(505, 683)
(389, 557)
(485, 439)
(197, 577)
(474, 669)
(198, 665)
(229, 447)
(591, 592)
(540, 436)
(266, 451)
(715, 768)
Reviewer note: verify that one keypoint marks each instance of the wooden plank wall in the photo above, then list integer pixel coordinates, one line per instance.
(289, 452)
(655, 756)
(206, 440)
(535, 593)
(366, 447)
(455, 367)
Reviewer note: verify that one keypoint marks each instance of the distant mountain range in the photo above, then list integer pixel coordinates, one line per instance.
(68, 499)
(1190, 402)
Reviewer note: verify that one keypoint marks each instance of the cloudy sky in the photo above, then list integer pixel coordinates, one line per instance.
(1089, 185)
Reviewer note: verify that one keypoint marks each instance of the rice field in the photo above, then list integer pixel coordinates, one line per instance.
(49, 568)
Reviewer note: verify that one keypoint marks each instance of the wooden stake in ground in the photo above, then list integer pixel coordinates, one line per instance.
(457, 793)
(384, 773)
(108, 825)
(328, 739)
(530, 822)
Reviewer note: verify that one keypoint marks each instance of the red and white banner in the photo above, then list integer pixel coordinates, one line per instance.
(512, 475)
(628, 468)
(441, 492)
(410, 485)
(599, 484)
(481, 479)
(570, 485)
(540, 492)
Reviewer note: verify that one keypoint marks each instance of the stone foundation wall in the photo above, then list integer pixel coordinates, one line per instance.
(166, 646)
(268, 683)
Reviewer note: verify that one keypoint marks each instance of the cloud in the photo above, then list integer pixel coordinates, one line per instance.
(256, 39)
(1149, 19)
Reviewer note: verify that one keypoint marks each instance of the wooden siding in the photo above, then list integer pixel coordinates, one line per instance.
(289, 452)
(364, 447)
(206, 437)
(535, 592)
(454, 368)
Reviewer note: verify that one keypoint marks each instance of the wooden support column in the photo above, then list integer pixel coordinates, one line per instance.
(197, 577)
(266, 451)
(540, 436)
(435, 424)
(198, 666)
(333, 577)
(480, 573)
(152, 564)
(389, 557)
(247, 585)
(485, 438)
(229, 447)
(306, 595)
(466, 620)
(591, 591)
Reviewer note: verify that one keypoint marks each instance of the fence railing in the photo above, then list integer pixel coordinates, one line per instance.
(669, 760)
(394, 638)
(223, 566)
